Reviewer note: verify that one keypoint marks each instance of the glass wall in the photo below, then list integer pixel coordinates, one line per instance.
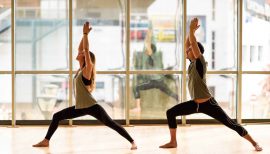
(155, 43)
(155, 34)
(152, 95)
(42, 62)
(107, 38)
(256, 47)
(41, 44)
(256, 96)
(217, 33)
(5, 36)
(5, 97)
(41, 35)
(42, 97)
(5, 60)
(256, 35)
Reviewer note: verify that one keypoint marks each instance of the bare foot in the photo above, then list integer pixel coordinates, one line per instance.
(133, 146)
(169, 145)
(136, 110)
(258, 148)
(43, 143)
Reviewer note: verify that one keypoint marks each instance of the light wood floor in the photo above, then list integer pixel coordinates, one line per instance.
(194, 139)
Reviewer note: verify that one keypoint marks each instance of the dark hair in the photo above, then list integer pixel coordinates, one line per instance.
(200, 47)
(93, 57)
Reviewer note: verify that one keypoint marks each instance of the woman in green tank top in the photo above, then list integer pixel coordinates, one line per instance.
(201, 99)
(85, 103)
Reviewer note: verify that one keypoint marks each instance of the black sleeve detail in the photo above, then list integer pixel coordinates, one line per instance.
(199, 67)
(86, 81)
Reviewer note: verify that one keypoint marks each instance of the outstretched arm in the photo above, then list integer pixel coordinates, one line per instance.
(80, 48)
(148, 41)
(85, 44)
(192, 39)
(187, 43)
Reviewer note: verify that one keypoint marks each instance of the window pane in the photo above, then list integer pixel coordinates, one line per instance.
(5, 97)
(154, 94)
(256, 97)
(110, 94)
(41, 35)
(256, 48)
(107, 36)
(39, 96)
(155, 35)
(223, 89)
(5, 35)
(217, 32)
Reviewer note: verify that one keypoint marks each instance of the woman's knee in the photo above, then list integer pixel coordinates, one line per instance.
(57, 116)
(170, 113)
(242, 131)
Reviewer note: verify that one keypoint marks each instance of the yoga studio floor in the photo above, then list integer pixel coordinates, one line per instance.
(194, 139)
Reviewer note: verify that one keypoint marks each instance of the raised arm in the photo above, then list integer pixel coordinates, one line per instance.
(80, 48)
(148, 41)
(85, 44)
(192, 39)
(187, 43)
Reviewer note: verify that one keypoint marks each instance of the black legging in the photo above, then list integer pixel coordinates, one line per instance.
(96, 111)
(210, 108)
(158, 84)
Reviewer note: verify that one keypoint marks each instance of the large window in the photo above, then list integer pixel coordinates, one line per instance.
(155, 43)
(5, 37)
(5, 60)
(107, 42)
(41, 35)
(5, 97)
(256, 35)
(155, 79)
(155, 32)
(152, 95)
(217, 33)
(256, 96)
(256, 46)
(41, 44)
(43, 96)
(107, 38)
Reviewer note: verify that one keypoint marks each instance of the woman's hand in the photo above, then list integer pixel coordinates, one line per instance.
(194, 24)
(86, 28)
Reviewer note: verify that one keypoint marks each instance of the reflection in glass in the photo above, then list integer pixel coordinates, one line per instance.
(38, 97)
(110, 94)
(107, 37)
(41, 35)
(256, 97)
(223, 88)
(155, 34)
(151, 97)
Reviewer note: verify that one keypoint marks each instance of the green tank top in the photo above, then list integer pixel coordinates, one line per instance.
(196, 84)
(83, 97)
